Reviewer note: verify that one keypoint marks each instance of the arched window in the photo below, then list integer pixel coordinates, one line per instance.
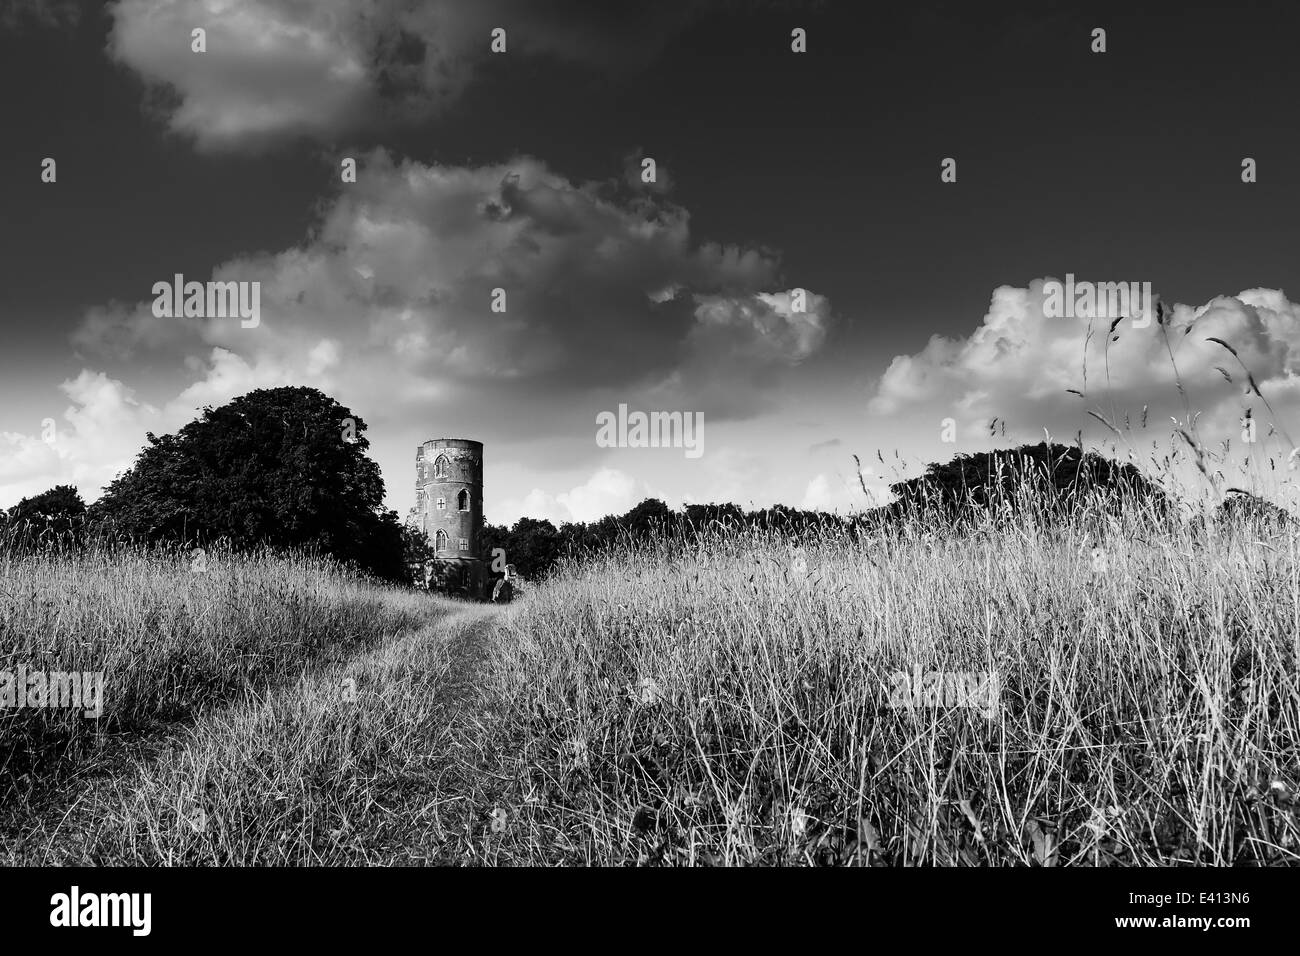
(440, 467)
(462, 500)
(440, 541)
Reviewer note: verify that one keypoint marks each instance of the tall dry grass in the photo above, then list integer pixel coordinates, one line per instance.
(722, 699)
(171, 635)
(729, 702)
(351, 764)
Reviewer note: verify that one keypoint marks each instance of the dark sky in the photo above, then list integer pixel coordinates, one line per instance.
(1124, 164)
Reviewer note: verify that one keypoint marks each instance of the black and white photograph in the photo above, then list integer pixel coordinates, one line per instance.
(732, 435)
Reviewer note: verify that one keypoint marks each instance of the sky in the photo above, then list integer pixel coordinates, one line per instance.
(799, 272)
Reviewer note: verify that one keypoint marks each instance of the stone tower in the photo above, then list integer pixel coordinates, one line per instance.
(449, 509)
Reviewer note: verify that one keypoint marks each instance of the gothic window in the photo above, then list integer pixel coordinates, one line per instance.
(440, 541)
(462, 500)
(464, 544)
(440, 467)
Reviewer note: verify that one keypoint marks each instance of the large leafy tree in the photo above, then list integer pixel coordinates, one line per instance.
(1055, 477)
(285, 467)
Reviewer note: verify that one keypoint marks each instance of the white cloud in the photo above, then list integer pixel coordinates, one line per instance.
(838, 493)
(760, 327)
(97, 437)
(274, 69)
(608, 491)
(1018, 365)
(390, 299)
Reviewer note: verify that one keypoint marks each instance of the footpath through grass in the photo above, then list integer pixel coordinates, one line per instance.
(194, 657)
(350, 765)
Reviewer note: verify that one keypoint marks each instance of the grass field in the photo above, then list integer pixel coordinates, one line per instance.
(1148, 709)
(1117, 696)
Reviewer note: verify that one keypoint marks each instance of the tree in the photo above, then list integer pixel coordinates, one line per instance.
(1053, 477)
(727, 515)
(533, 547)
(651, 516)
(492, 538)
(58, 513)
(1252, 510)
(416, 548)
(382, 549)
(284, 467)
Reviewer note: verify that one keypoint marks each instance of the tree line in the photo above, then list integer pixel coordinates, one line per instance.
(287, 468)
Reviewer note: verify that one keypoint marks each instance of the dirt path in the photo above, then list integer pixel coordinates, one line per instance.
(402, 782)
(432, 815)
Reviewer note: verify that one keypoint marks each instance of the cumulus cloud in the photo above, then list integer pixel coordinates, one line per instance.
(96, 438)
(607, 298)
(764, 327)
(737, 342)
(274, 69)
(1019, 363)
(608, 491)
